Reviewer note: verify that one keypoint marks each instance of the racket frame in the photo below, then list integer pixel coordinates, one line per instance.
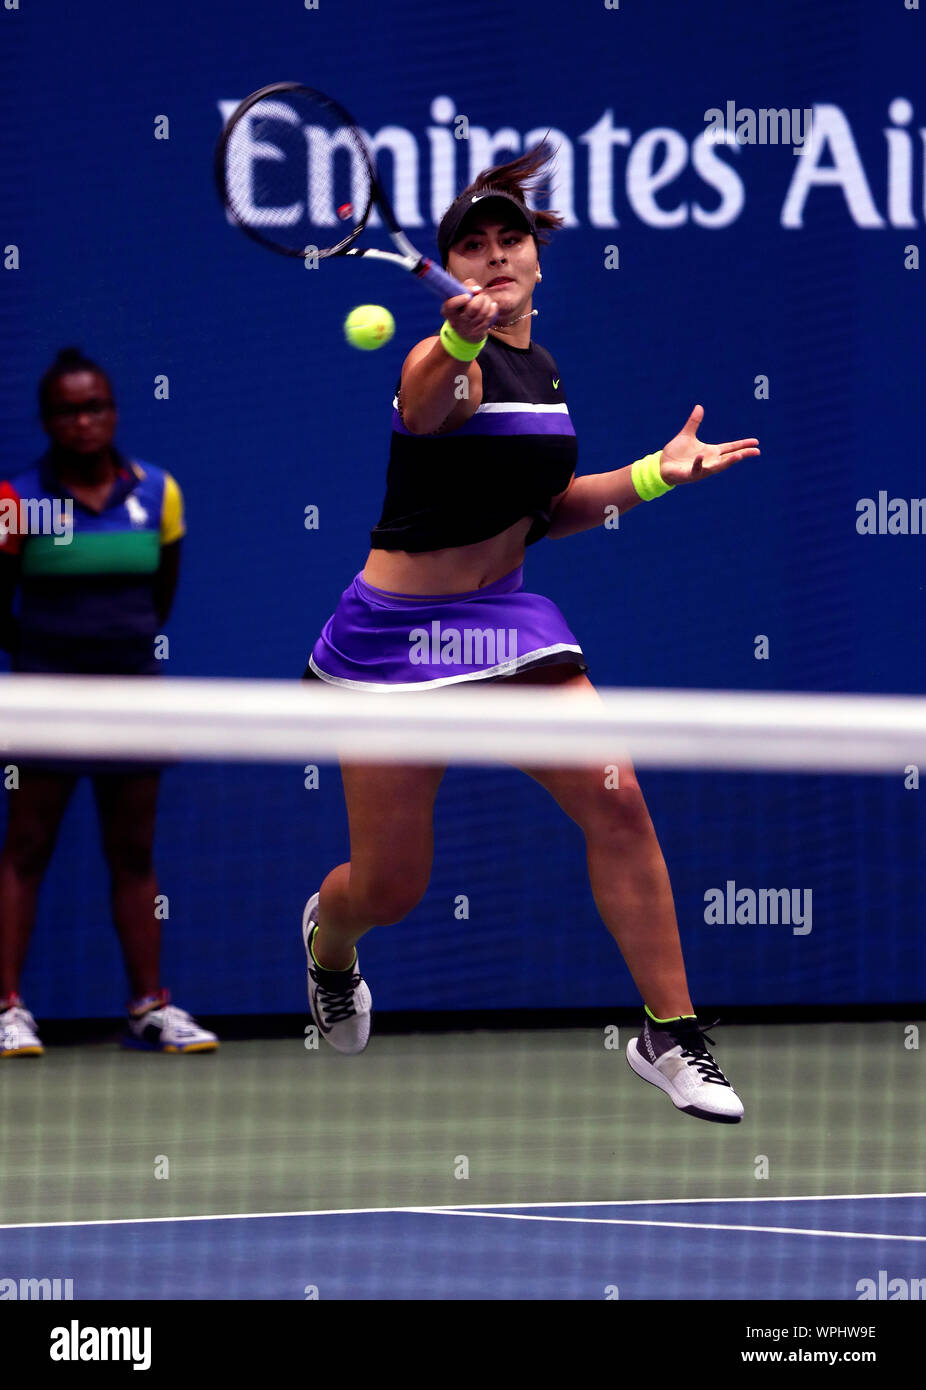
(428, 272)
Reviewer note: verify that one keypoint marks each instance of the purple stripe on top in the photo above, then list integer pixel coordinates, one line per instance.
(499, 422)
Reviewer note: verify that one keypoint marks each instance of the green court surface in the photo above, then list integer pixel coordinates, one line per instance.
(532, 1116)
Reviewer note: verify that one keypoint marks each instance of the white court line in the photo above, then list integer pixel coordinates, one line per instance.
(683, 1225)
(215, 1216)
(463, 1208)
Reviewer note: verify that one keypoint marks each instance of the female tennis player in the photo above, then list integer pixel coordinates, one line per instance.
(93, 598)
(482, 465)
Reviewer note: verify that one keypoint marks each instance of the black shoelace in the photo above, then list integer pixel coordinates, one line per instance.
(692, 1039)
(337, 1004)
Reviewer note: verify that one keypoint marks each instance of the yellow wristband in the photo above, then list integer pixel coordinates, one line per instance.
(647, 478)
(458, 347)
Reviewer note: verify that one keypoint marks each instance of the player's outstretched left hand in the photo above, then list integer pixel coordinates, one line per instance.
(686, 460)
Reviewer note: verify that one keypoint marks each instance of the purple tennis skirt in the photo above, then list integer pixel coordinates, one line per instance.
(377, 640)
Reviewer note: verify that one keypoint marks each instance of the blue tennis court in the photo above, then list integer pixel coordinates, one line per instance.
(779, 1247)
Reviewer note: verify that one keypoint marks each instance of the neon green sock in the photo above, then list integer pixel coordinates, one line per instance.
(341, 969)
(667, 1020)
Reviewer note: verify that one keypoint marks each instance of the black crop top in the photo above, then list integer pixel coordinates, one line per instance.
(509, 460)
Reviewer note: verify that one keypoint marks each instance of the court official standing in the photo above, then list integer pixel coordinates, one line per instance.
(92, 600)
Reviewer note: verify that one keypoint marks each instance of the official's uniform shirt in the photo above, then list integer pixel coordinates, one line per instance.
(89, 605)
(508, 461)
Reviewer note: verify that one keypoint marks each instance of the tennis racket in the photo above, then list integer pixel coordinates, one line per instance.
(294, 172)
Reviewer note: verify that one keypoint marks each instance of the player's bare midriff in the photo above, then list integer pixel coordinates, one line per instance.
(457, 570)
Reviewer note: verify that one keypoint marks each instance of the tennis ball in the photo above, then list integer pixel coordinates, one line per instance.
(369, 326)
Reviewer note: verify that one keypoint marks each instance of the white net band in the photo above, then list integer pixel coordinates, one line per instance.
(288, 721)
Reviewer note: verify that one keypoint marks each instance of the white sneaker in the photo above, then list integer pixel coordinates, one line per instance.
(166, 1028)
(18, 1035)
(673, 1056)
(339, 1000)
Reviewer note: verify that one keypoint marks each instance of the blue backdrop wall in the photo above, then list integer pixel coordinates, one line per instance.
(737, 262)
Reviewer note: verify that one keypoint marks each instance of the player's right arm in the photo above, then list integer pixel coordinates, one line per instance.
(430, 390)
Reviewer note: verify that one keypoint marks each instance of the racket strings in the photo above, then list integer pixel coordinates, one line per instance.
(296, 175)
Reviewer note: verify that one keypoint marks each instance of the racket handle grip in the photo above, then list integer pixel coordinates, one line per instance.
(437, 279)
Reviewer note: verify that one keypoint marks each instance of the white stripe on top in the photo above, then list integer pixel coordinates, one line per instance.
(511, 408)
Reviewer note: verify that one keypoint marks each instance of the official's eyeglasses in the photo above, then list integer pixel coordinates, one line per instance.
(70, 410)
